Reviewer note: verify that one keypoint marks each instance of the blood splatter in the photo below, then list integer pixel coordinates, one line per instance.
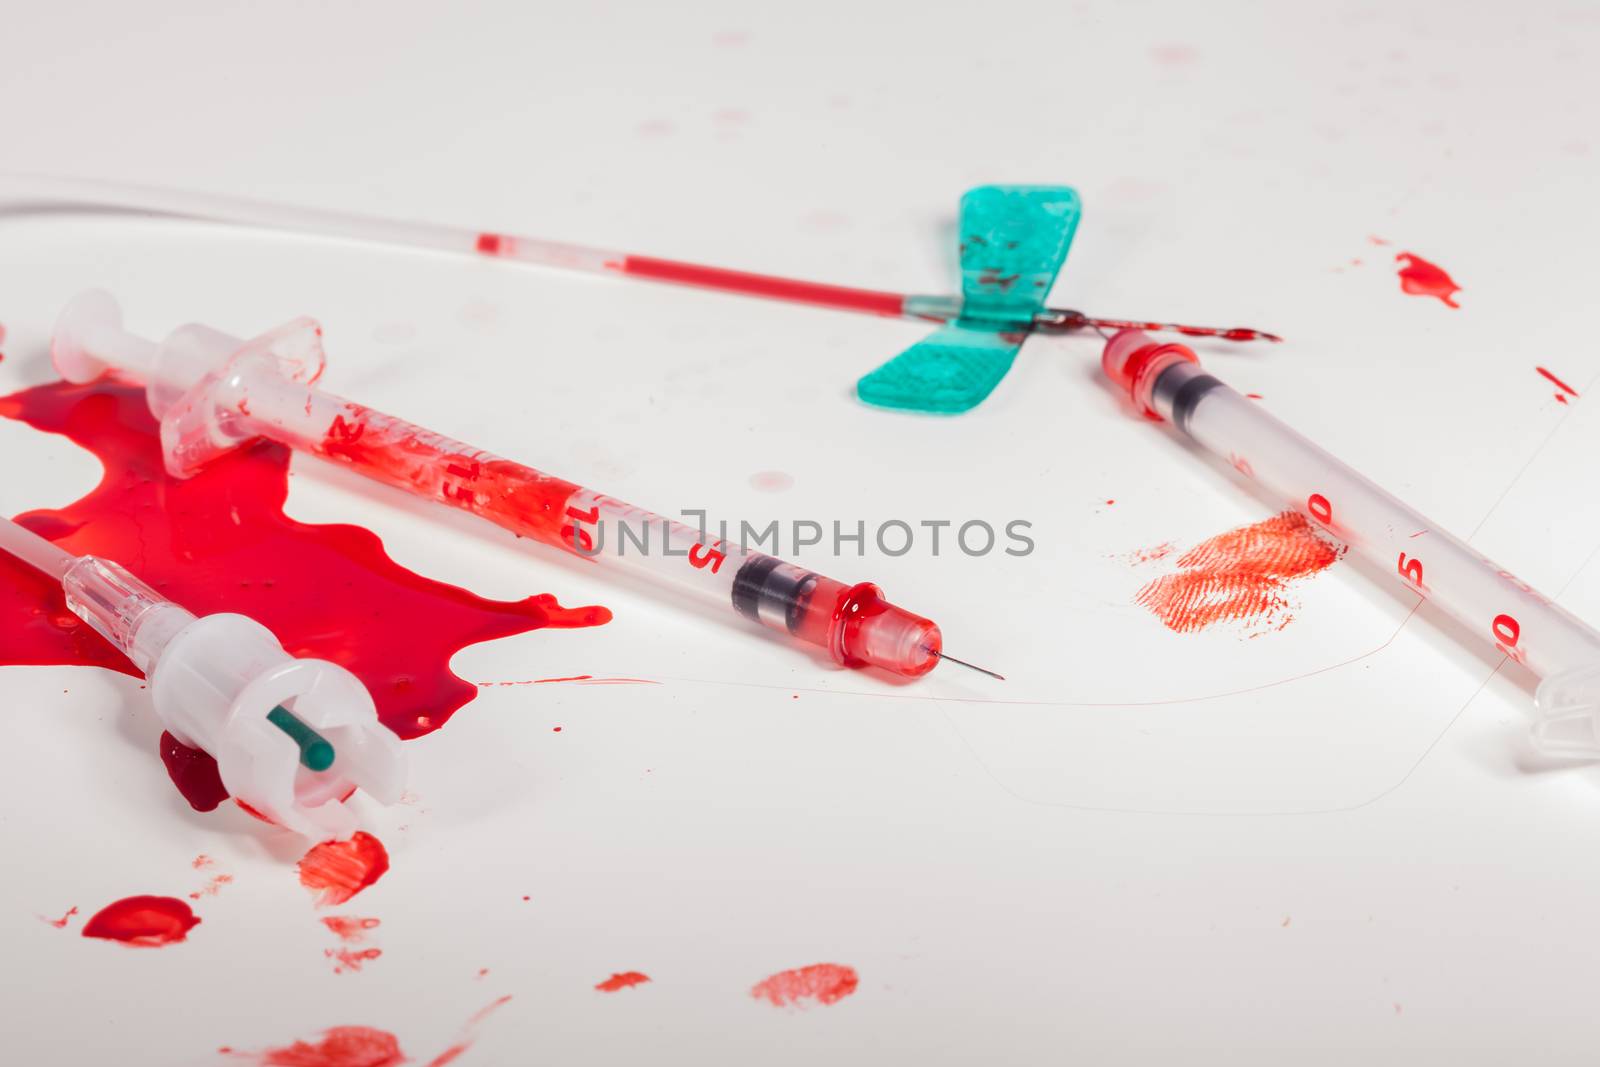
(1151, 554)
(61, 923)
(213, 887)
(144, 921)
(202, 861)
(826, 983)
(1241, 575)
(622, 980)
(342, 1046)
(1566, 390)
(1421, 278)
(360, 1046)
(350, 928)
(338, 870)
(350, 959)
(220, 542)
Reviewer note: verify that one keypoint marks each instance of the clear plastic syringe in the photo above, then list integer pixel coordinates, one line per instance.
(292, 737)
(213, 392)
(1166, 381)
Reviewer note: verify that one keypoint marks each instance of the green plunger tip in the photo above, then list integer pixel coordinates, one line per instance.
(316, 753)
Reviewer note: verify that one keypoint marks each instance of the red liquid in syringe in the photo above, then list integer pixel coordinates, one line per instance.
(214, 392)
(855, 624)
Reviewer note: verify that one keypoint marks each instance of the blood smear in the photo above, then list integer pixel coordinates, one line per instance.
(338, 870)
(622, 980)
(350, 928)
(144, 921)
(351, 959)
(826, 983)
(1241, 575)
(343, 1046)
(1421, 278)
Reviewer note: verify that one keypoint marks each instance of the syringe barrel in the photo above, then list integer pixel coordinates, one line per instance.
(214, 393)
(1487, 599)
(135, 618)
(853, 623)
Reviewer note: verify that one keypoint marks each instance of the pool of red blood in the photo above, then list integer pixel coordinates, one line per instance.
(220, 541)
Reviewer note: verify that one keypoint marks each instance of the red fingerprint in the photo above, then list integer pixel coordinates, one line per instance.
(1421, 278)
(338, 870)
(1241, 575)
(826, 983)
(148, 922)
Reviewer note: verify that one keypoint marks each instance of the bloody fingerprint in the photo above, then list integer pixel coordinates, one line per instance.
(826, 983)
(1239, 576)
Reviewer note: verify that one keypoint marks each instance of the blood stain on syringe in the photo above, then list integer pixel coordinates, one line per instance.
(1421, 278)
(1240, 576)
(220, 541)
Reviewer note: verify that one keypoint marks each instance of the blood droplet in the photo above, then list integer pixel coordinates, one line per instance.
(1421, 278)
(144, 921)
(194, 773)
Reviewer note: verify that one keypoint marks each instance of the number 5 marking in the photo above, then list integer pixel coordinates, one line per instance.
(1411, 571)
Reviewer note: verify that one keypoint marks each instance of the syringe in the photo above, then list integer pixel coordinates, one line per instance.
(242, 211)
(1166, 381)
(212, 393)
(292, 737)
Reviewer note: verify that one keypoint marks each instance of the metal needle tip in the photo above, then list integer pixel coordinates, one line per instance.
(970, 666)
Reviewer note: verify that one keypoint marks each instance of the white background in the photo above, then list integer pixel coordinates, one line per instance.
(1106, 859)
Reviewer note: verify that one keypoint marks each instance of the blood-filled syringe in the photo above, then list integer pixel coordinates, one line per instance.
(213, 392)
(1166, 382)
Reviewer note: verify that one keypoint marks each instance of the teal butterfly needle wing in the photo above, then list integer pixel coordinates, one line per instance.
(1014, 239)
